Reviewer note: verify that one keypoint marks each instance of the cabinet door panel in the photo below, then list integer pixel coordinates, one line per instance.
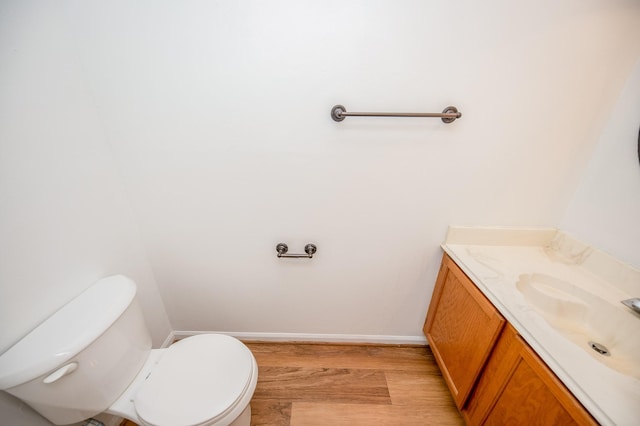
(461, 327)
(527, 400)
(518, 388)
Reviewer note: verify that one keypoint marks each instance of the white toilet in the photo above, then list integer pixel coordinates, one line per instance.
(94, 355)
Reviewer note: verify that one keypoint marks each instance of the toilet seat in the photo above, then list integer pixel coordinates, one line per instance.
(198, 381)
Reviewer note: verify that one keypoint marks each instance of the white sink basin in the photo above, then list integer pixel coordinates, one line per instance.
(611, 334)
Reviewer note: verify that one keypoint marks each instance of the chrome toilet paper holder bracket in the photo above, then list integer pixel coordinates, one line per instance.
(309, 251)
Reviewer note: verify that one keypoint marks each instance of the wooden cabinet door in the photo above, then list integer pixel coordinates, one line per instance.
(462, 327)
(517, 388)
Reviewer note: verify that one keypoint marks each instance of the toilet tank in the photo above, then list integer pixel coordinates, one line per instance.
(79, 361)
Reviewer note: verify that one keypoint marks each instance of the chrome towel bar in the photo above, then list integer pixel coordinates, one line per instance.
(309, 249)
(448, 115)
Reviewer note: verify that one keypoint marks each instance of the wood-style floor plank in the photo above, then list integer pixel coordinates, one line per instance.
(419, 389)
(388, 357)
(319, 414)
(270, 412)
(339, 385)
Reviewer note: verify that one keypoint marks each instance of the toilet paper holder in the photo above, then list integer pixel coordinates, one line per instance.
(309, 250)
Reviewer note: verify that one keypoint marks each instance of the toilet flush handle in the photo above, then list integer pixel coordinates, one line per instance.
(61, 372)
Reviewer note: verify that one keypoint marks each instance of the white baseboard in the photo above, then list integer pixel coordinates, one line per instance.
(169, 340)
(312, 338)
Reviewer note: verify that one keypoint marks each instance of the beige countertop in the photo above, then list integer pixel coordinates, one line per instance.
(496, 259)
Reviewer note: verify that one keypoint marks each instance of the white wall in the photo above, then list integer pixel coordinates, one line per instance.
(64, 220)
(605, 210)
(218, 114)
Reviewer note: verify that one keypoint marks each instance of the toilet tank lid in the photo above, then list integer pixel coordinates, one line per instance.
(67, 332)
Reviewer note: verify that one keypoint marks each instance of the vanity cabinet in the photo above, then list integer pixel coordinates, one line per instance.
(462, 327)
(494, 376)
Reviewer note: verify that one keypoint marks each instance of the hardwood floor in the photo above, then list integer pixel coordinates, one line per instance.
(330, 384)
(323, 384)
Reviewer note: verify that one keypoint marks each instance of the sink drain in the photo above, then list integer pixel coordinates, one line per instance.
(600, 348)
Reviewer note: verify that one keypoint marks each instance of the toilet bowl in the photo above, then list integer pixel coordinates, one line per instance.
(207, 379)
(94, 355)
